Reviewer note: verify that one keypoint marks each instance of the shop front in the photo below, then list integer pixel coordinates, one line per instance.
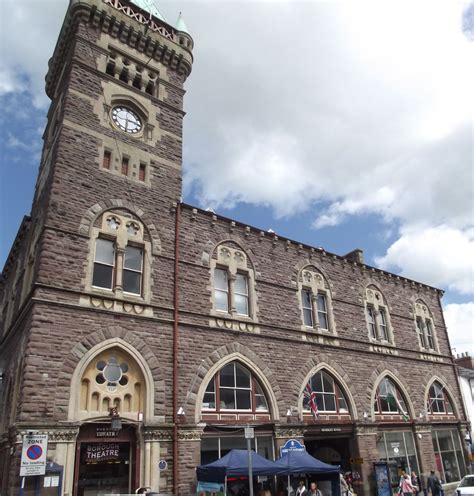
(449, 456)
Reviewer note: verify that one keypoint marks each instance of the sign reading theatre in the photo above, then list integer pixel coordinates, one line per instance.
(33, 454)
(98, 452)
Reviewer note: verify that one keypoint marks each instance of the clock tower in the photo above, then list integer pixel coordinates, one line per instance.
(88, 332)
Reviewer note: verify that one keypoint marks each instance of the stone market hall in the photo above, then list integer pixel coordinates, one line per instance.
(120, 305)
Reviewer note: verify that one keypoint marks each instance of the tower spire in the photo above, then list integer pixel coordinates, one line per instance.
(150, 7)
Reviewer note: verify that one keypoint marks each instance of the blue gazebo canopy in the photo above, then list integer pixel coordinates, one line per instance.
(235, 463)
(301, 462)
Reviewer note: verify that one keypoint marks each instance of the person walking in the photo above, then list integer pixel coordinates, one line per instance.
(416, 482)
(434, 484)
(343, 485)
(406, 486)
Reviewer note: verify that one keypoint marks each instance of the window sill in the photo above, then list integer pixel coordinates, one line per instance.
(110, 301)
(226, 321)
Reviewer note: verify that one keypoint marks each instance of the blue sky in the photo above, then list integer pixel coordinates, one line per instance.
(321, 122)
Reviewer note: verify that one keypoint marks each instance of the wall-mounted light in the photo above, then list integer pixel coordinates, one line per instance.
(366, 415)
(288, 412)
(181, 411)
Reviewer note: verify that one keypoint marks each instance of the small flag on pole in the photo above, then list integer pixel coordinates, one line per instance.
(310, 395)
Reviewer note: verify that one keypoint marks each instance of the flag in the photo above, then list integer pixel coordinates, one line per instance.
(310, 395)
(394, 402)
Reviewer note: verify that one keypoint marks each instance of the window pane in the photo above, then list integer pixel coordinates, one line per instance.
(445, 441)
(241, 286)
(209, 401)
(102, 277)
(227, 399)
(220, 279)
(242, 304)
(227, 376)
(306, 298)
(320, 402)
(132, 282)
(330, 402)
(242, 377)
(261, 403)
(243, 399)
(323, 320)
(308, 317)
(317, 382)
(104, 251)
(328, 383)
(342, 404)
(211, 387)
(133, 258)
(321, 303)
(209, 450)
(221, 300)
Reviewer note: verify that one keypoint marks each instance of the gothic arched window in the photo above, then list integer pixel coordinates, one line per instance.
(234, 388)
(377, 316)
(329, 396)
(438, 400)
(389, 400)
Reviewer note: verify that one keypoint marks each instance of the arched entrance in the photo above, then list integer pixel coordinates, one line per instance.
(107, 460)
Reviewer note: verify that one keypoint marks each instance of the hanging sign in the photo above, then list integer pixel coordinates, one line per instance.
(292, 445)
(33, 454)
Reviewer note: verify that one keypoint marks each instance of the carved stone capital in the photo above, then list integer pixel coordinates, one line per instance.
(158, 435)
(366, 430)
(289, 432)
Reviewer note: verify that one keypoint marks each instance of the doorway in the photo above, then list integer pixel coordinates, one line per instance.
(106, 461)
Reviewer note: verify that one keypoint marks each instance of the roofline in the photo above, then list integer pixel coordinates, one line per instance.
(21, 230)
(310, 247)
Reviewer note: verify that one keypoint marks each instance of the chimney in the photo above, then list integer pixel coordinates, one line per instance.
(356, 255)
(465, 360)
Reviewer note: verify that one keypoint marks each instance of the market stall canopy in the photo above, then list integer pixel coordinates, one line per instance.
(301, 462)
(235, 463)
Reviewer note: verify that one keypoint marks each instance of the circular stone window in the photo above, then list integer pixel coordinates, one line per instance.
(126, 119)
(112, 372)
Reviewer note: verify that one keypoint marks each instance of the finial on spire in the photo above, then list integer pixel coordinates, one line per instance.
(180, 25)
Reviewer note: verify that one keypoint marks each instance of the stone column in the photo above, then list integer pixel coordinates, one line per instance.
(424, 450)
(157, 446)
(366, 451)
(189, 457)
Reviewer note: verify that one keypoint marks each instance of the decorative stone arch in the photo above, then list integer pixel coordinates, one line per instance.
(230, 353)
(76, 361)
(304, 264)
(374, 383)
(313, 366)
(444, 383)
(211, 248)
(91, 215)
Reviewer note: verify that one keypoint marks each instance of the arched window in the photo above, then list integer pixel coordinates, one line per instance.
(233, 281)
(234, 388)
(425, 327)
(112, 379)
(377, 316)
(438, 400)
(315, 301)
(329, 396)
(389, 400)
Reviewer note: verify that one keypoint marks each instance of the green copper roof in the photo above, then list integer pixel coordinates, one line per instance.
(150, 7)
(180, 25)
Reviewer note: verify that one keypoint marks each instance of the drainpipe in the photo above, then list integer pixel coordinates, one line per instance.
(175, 348)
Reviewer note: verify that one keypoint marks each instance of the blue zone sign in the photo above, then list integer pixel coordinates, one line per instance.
(292, 445)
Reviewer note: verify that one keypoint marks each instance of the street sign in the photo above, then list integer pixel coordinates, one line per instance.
(33, 454)
(249, 433)
(357, 461)
(292, 445)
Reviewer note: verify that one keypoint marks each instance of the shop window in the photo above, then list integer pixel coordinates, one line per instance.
(377, 316)
(449, 455)
(438, 400)
(329, 396)
(119, 254)
(112, 379)
(214, 447)
(233, 284)
(389, 400)
(398, 447)
(425, 327)
(315, 301)
(234, 388)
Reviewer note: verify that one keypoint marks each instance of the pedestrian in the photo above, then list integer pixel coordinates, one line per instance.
(301, 491)
(343, 485)
(416, 482)
(434, 484)
(313, 490)
(406, 487)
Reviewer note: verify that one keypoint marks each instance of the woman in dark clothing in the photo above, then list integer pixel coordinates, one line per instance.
(416, 482)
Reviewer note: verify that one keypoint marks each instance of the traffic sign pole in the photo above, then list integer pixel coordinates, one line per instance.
(249, 434)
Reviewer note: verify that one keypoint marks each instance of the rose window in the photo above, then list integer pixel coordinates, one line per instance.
(113, 223)
(132, 228)
(112, 373)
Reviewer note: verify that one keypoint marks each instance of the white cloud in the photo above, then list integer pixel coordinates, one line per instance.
(460, 323)
(441, 256)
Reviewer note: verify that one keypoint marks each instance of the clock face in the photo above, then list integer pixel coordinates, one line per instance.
(127, 120)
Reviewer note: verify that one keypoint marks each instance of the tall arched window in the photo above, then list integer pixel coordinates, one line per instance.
(329, 396)
(438, 400)
(234, 388)
(389, 400)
